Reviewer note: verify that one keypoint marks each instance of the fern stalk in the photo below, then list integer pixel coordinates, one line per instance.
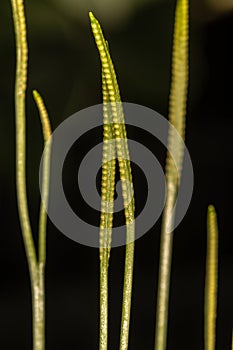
(211, 281)
(177, 111)
(117, 119)
(20, 90)
(46, 128)
(40, 307)
(107, 204)
(36, 268)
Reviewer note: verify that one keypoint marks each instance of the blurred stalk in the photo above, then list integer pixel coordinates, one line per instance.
(232, 341)
(211, 280)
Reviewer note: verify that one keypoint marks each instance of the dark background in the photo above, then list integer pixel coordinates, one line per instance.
(64, 66)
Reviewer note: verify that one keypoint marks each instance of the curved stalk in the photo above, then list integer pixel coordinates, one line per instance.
(39, 294)
(20, 91)
(122, 151)
(46, 128)
(36, 269)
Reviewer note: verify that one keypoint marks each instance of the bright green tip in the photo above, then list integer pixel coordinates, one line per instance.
(35, 94)
(92, 17)
(211, 210)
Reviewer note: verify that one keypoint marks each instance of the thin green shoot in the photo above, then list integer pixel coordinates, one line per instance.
(211, 280)
(117, 119)
(177, 111)
(36, 266)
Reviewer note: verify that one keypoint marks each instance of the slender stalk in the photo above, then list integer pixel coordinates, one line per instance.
(38, 306)
(36, 269)
(211, 281)
(164, 279)
(20, 90)
(107, 205)
(125, 173)
(46, 128)
(177, 110)
(127, 290)
(103, 331)
(39, 289)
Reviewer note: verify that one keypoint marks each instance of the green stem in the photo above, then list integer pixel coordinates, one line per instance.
(38, 306)
(20, 90)
(211, 281)
(164, 278)
(36, 268)
(46, 128)
(127, 292)
(117, 118)
(177, 110)
(39, 291)
(103, 336)
(107, 206)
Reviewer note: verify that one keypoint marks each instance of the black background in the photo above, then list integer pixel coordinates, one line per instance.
(64, 66)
